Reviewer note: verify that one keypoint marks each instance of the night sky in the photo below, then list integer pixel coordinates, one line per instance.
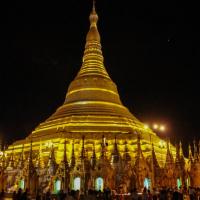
(151, 52)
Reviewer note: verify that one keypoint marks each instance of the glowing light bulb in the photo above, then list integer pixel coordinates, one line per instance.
(155, 126)
(162, 128)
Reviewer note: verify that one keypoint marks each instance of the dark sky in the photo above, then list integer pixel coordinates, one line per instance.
(151, 52)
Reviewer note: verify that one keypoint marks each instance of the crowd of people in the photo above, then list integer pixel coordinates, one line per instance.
(107, 194)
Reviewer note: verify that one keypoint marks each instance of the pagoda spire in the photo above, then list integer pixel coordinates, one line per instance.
(93, 158)
(181, 149)
(155, 168)
(41, 156)
(126, 156)
(154, 158)
(65, 169)
(40, 160)
(92, 100)
(182, 160)
(83, 148)
(177, 160)
(190, 153)
(65, 152)
(103, 148)
(93, 58)
(30, 158)
(11, 161)
(52, 165)
(139, 155)
(51, 155)
(195, 150)
(30, 166)
(115, 154)
(21, 159)
(140, 163)
(139, 149)
(169, 157)
(73, 159)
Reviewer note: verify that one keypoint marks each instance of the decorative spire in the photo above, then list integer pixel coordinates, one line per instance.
(30, 152)
(30, 158)
(65, 152)
(51, 156)
(93, 5)
(83, 148)
(169, 157)
(93, 16)
(154, 158)
(177, 153)
(11, 161)
(73, 160)
(115, 147)
(30, 166)
(115, 155)
(63, 169)
(65, 162)
(195, 150)
(139, 149)
(93, 58)
(181, 149)
(93, 158)
(41, 156)
(155, 168)
(126, 156)
(103, 148)
(21, 159)
(182, 160)
(40, 161)
(140, 163)
(190, 153)
(52, 165)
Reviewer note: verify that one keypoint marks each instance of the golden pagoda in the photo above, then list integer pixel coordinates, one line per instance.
(92, 141)
(92, 106)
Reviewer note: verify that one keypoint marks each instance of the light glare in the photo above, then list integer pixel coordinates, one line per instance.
(155, 126)
(162, 128)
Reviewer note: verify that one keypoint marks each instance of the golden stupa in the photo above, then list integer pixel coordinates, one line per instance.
(92, 137)
(92, 108)
(92, 105)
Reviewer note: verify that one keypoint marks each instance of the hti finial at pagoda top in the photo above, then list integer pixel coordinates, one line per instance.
(93, 16)
(93, 34)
